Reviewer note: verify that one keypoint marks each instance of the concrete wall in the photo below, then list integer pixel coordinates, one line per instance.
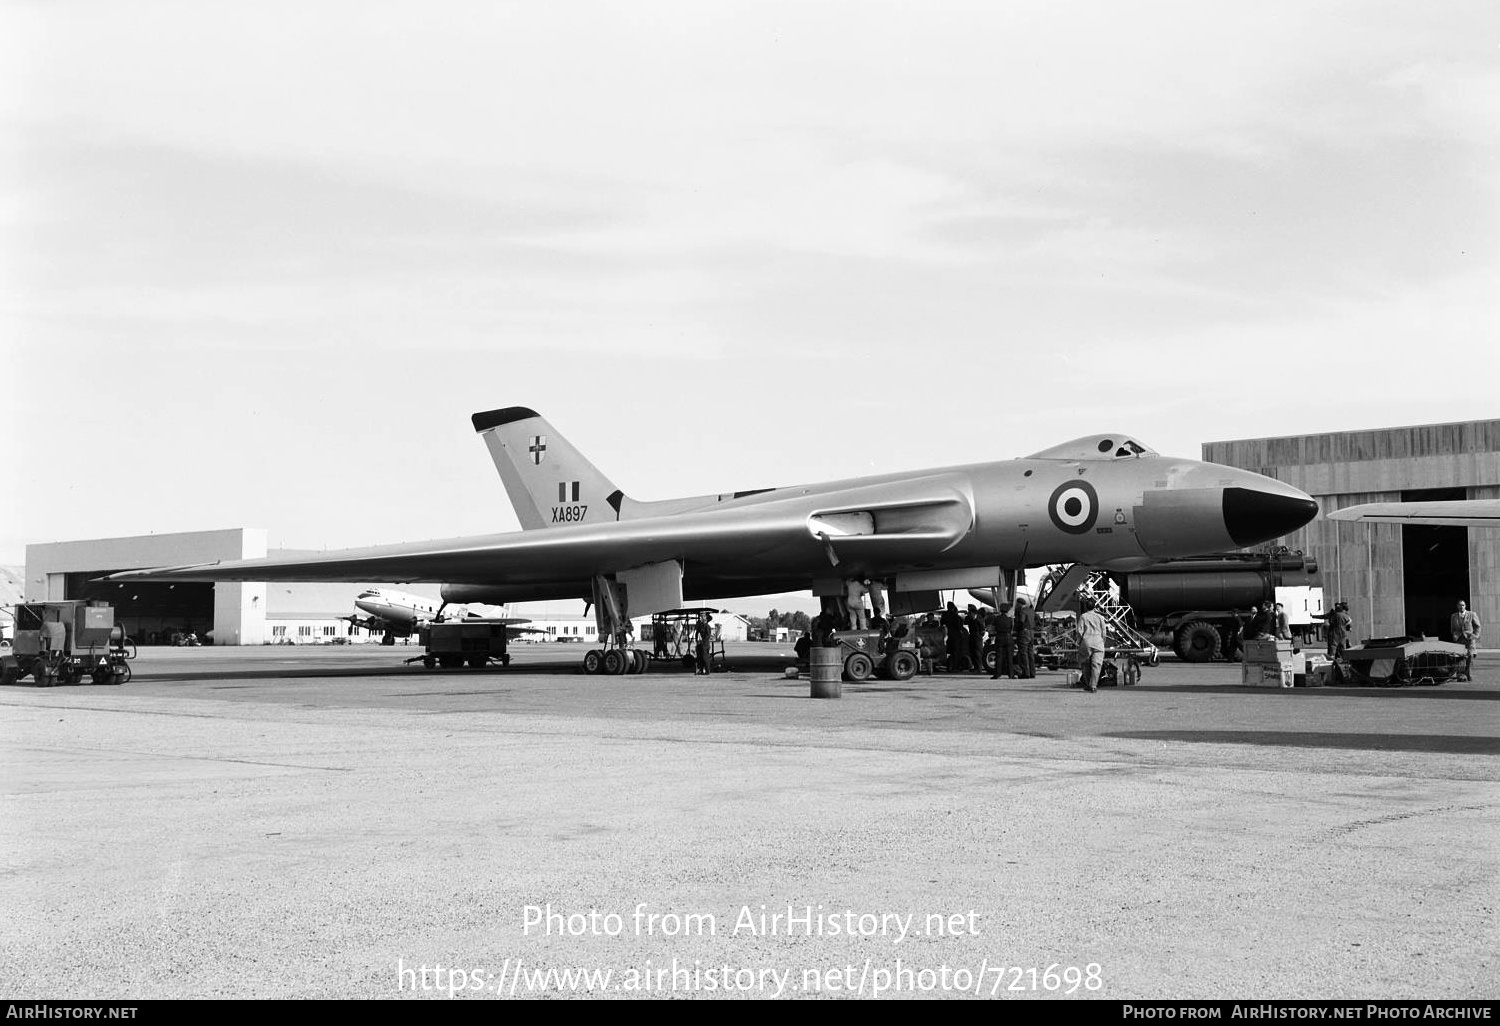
(239, 609)
(1362, 563)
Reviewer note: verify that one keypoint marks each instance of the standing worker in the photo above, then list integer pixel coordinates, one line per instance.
(957, 644)
(974, 624)
(1091, 628)
(856, 601)
(1025, 627)
(1282, 628)
(1464, 626)
(1262, 624)
(705, 634)
(1004, 640)
(1339, 627)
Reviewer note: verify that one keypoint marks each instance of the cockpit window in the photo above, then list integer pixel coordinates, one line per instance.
(1095, 447)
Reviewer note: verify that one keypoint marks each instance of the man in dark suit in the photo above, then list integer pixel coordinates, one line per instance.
(1004, 632)
(1025, 629)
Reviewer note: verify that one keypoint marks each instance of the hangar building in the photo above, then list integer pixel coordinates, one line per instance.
(1397, 578)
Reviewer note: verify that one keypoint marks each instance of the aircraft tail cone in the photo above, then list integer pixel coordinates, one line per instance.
(1252, 516)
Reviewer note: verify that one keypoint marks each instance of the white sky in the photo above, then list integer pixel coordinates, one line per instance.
(262, 261)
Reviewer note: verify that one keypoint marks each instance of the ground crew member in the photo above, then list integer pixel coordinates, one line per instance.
(1283, 628)
(1339, 628)
(1464, 626)
(1004, 642)
(1025, 627)
(856, 593)
(1262, 624)
(974, 624)
(705, 634)
(1091, 633)
(958, 645)
(659, 640)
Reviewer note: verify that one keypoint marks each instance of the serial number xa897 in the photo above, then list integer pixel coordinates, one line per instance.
(568, 514)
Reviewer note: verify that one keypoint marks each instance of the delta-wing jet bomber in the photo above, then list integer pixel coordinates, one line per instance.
(1105, 500)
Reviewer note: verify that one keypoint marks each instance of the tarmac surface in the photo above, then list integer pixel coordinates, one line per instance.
(327, 822)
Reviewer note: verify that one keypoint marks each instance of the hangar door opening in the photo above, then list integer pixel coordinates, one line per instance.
(152, 614)
(1434, 567)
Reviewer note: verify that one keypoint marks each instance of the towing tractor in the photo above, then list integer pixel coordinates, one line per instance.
(66, 642)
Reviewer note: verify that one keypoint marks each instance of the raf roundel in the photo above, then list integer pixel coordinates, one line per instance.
(1073, 507)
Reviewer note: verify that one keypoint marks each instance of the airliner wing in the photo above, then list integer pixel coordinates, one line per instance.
(1454, 513)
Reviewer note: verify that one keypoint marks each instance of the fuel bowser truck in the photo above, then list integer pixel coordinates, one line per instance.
(1199, 605)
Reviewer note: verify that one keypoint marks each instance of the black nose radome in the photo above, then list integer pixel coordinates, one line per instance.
(1253, 516)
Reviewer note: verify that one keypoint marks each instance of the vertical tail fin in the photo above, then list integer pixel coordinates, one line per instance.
(549, 482)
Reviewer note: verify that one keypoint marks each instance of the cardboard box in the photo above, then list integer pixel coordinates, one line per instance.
(1259, 675)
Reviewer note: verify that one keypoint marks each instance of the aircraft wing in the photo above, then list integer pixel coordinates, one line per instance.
(908, 524)
(1454, 513)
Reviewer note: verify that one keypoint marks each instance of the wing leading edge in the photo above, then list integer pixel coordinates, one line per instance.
(770, 540)
(1454, 513)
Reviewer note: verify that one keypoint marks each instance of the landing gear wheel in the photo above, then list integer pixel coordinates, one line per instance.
(1197, 642)
(902, 665)
(642, 660)
(615, 661)
(593, 661)
(858, 667)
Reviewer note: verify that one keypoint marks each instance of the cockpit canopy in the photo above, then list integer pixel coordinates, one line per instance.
(1096, 447)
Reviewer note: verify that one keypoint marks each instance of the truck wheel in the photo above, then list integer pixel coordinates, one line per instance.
(858, 667)
(451, 661)
(990, 658)
(477, 661)
(901, 665)
(429, 661)
(1197, 642)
